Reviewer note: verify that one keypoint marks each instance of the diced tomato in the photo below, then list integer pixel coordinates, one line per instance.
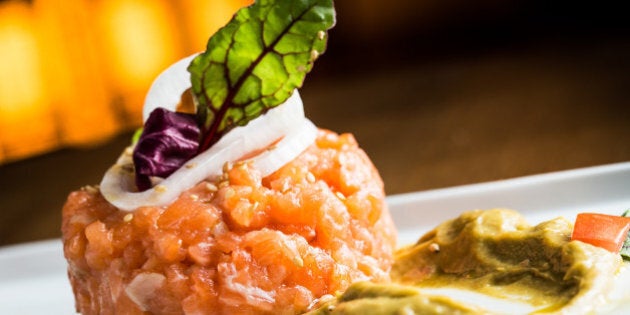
(602, 230)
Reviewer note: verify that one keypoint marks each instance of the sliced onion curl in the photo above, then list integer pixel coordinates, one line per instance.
(167, 89)
(284, 124)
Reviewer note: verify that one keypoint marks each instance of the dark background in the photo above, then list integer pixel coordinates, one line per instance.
(438, 93)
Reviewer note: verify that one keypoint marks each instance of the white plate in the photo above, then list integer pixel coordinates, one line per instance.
(603, 189)
(33, 276)
(33, 280)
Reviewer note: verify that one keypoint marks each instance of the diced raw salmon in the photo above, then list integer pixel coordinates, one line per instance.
(245, 245)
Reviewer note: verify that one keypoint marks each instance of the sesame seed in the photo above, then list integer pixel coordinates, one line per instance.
(331, 308)
(160, 188)
(91, 189)
(310, 177)
(211, 187)
(191, 165)
(240, 163)
(314, 54)
(434, 247)
(255, 205)
(321, 35)
(340, 195)
(229, 193)
(128, 151)
(297, 260)
(223, 184)
(128, 217)
(406, 311)
(285, 186)
(223, 177)
(194, 197)
(227, 166)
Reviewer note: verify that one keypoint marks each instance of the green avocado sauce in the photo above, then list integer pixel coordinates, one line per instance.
(495, 253)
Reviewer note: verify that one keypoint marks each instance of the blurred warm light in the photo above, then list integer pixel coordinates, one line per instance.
(140, 40)
(207, 16)
(24, 113)
(75, 72)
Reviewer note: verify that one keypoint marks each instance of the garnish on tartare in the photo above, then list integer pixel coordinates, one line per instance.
(252, 65)
(241, 205)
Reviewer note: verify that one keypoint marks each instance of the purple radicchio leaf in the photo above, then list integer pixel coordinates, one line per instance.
(168, 140)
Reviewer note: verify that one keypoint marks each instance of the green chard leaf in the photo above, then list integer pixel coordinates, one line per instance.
(256, 61)
(625, 249)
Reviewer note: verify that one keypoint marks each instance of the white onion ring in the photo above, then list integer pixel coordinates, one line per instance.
(286, 120)
(286, 150)
(166, 90)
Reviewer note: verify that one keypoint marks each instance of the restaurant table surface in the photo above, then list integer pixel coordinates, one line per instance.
(426, 123)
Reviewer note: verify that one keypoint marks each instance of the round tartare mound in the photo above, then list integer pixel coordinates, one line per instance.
(241, 244)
